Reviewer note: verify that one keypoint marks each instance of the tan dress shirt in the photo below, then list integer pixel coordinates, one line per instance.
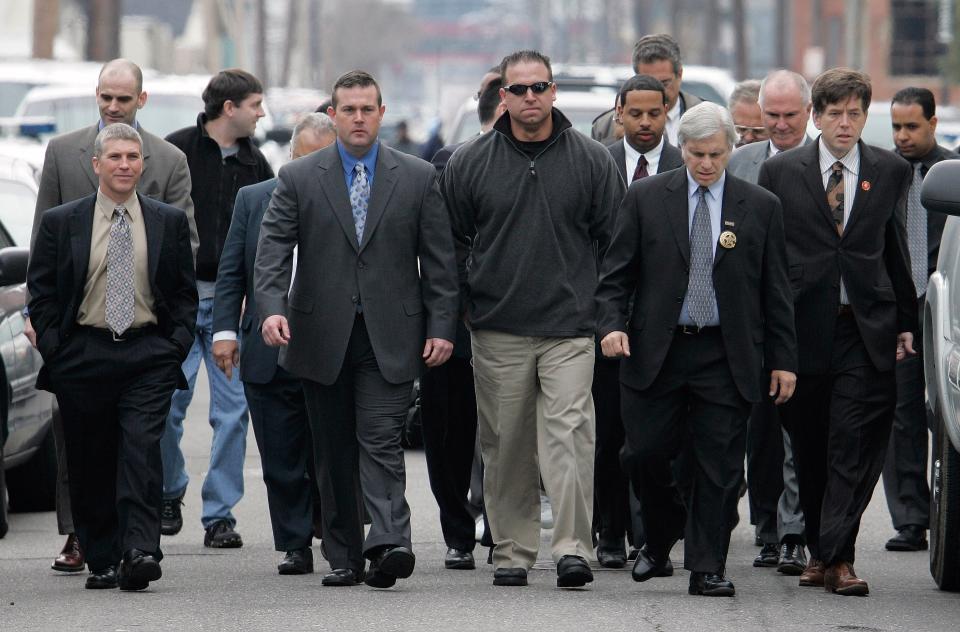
(92, 310)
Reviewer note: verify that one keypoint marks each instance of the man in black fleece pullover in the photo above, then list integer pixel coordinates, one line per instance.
(531, 203)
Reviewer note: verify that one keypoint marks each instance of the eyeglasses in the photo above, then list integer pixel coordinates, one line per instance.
(520, 89)
(742, 129)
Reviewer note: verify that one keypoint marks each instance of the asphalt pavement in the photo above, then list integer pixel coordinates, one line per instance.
(209, 589)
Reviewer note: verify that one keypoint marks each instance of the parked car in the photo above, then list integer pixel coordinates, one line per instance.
(17, 77)
(941, 351)
(28, 467)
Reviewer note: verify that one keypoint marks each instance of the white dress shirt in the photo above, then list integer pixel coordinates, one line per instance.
(633, 157)
(851, 181)
(673, 123)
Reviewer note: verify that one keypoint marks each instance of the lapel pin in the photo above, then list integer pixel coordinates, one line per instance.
(727, 222)
(865, 185)
(728, 239)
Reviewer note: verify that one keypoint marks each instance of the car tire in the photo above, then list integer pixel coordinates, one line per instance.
(33, 485)
(4, 526)
(945, 512)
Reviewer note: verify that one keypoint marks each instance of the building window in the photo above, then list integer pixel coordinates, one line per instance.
(914, 49)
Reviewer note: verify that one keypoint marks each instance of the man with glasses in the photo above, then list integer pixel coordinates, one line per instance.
(745, 110)
(530, 201)
(659, 56)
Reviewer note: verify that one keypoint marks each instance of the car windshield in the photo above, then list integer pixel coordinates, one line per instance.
(17, 202)
(164, 113)
(11, 93)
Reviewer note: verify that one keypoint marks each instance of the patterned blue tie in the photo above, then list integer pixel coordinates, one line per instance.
(360, 199)
(917, 232)
(701, 297)
(120, 284)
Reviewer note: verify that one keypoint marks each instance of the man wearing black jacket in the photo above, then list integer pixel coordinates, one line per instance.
(529, 201)
(222, 159)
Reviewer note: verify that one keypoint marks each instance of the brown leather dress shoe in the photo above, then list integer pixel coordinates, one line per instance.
(839, 578)
(70, 559)
(812, 575)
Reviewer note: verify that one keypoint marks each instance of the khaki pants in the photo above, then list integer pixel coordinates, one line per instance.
(534, 398)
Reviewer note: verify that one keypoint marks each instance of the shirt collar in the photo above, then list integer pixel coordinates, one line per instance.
(106, 206)
(350, 161)
(715, 189)
(653, 154)
(101, 124)
(851, 161)
(674, 113)
(772, 149)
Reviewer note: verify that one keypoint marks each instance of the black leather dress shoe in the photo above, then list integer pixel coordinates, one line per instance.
(910, 538)
(612, 558)
(171, 518)
(105, 578)
(296, 562)
(710, 585)
(649, 565)
(768, 557)
(392, 563)
(342, 577)
(632, 555)
(573, 572)
(510, 577)
(460, 560)
(137, 570)
(792, 560)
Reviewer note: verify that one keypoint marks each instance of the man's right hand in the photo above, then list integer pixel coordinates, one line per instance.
(226, 353)
(615, 345)
(275, 331)
(30, 332)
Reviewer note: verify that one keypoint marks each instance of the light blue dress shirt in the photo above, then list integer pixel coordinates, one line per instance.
(350, 161)
(714, 198)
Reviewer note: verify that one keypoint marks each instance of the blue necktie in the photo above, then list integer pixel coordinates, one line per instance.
(701, 296)
(360, 199)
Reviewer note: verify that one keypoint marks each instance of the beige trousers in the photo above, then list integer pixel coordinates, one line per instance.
(534, 398)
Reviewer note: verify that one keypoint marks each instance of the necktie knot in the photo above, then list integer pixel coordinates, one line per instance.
(837, 167)
(702, 191)
(119, 210)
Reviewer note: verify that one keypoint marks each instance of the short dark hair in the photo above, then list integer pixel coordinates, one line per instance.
(641, 82)
(650, 49)
(489, 100)
(839, 84)
(521, 56)
(355, 79)
(232, 84)
(322, 108)
(920, 96)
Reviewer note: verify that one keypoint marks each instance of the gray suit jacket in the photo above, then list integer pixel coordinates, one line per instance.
(403, 303)
(746, 161)
(258, 362)
(670, 158)
(68, 175)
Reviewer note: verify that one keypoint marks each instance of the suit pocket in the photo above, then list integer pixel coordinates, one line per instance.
(412, 307)
(300, 303)
(796, 273)
(885, 293)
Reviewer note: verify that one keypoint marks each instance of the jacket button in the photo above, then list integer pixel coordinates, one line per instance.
(679, 299)
(355, 298)
(360, 265)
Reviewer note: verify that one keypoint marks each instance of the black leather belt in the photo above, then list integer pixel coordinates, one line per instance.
(844, 310)
(110, 336)
(693, 330)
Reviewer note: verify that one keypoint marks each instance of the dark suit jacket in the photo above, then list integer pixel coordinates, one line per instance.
(403, 304)
(649, 260)
(670, 158)
(935, 221)
(58, 273)
(871, 255)
(258, 362)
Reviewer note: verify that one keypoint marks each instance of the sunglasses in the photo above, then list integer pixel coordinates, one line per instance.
(520, 89)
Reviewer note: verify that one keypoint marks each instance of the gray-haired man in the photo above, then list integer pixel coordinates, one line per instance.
(274, 396)
(714, 245)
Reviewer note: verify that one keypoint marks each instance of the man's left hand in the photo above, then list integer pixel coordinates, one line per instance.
(905, 345)
(226, 353)
(782, 384)
(437, 351)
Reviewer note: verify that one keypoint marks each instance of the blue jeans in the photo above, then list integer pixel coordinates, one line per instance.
(223, 485)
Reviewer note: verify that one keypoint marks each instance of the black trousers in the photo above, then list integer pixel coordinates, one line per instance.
(905, 470)
(114, 398)
(449, 410)
(839, 424)
(356, 424)
(279, 416)
(694, 401)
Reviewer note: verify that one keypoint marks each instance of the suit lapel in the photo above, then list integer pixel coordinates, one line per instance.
(813, 179)
(677, 207)
(335, 188)
(868, 173)
(153, 227)
(384, 180)
(732, 210)
(86, 157)
(81, 231)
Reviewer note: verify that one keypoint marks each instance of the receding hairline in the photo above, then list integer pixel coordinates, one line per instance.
(119, 68)
(785, 81)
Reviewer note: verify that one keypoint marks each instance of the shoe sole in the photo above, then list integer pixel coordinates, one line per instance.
(764, 563)
(907, 548)
(790, 569)
(226, 543)
(858, 590)
(460, 566)
(339, 581)
(140, 576)
(294, 570)
(170, 530)
(809, 584)
(574, 579)
(397, 564)
(379, 580)
(618, 563)
(68, 569)
(99, 585)
(509, 581)
(715, 592)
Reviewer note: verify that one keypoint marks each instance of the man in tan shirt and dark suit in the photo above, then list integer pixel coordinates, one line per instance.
(68, 175)
(114, 302)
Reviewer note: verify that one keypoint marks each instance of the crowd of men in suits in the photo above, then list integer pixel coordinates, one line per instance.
(620, 323)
